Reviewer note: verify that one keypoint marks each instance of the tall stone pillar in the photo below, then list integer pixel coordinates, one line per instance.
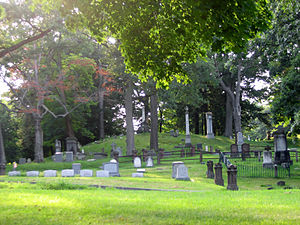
(71, 144)
(57, 146)
(232, 181)
(187, 128)
(210, 133)
(282, 155)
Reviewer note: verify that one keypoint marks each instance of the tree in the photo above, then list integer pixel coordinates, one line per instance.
(158, 36)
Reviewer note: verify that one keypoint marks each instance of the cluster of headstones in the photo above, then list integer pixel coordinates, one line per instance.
(23, 160)
(137, 163)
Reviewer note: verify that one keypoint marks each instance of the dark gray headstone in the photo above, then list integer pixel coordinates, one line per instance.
(58, 157)
(234, 152)
(232, 178)
(246, 150)
(210, 169)
(199, 146)
(72, 145)
(22, 161)
(69, 157)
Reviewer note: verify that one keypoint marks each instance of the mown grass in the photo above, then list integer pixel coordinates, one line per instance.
(29, 204)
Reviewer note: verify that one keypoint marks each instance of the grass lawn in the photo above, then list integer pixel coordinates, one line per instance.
(57, 200)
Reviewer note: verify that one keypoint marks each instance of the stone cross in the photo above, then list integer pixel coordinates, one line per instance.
(210, 133)
(187, 128)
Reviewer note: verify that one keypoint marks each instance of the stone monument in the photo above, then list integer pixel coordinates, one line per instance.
(57, 146)
(137, 162)
(69, 156)
(282, 155)
(76, 167)
(182, 173)
(187, 128)
(50, 173)
(268, 163)
(209, 125)
(239, 141)
(174, 167)
(218, 174)
(232, 181)
(58, 157)
(149, 162)
(72, 145)
(210, 169)
(113, 168)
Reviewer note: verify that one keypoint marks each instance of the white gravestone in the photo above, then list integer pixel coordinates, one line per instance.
(50, 173)
(102, 173)
(174, 167)
(57, 146)
(113, 169)
(76, 167)
(67, 173)
(206, 148)
(137, 174)
(182, 173)
(187, 128)
(137, 162)
(267, 163)
(86, 173)
(209, 125)
(14, 173)
(32, 173)
(149, 162)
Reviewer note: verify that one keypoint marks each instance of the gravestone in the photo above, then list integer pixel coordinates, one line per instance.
(14, 173)
(206, 148)
(174, 167)
(240, 141)
(102, 173)
(67, 173)
(218, 174)
(72, 145)
(113, 169)
(69, 156)
(113, 146)
(32, 173)
(76, 167)
(57, 146)
(210, 169)
(232, 175)
(209, 125)
(246, 150)
(149, 162)
(86, 173)
(268, 163)
(141, 170)
(172, 132)
(137, 162)
(182, 173)
(22, 161)
(199, 146)
(58, 157)
(137, 175)
(282, 154)
(119, 150)
(113, 160)
(187, 128)
(29, 160)
(211, 148)
(50, 173)
(234, 151)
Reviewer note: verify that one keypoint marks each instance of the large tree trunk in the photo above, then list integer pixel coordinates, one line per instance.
(69, 127)
(154, 121)
(129, 123)
(101, 112)
(196, 121)
(38, 146)
(228, 122)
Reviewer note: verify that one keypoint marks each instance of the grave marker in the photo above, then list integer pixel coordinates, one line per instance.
(137, 162)
(182, 173)
(69, 156)
(32, 173)
(50, 173)
(174, 167)
(149, 162)
(86, 173)
(113, 168)
(67, 173)
(102, 173)
(76, 167)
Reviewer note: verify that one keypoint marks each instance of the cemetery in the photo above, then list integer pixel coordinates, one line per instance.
(149, 112)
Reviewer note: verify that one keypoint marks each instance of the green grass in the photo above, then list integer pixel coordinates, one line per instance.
(29, 204)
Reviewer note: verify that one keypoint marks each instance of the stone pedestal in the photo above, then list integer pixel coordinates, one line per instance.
(218, 174)
(57, 146)
(72, 145)
(2, 169)
(232, 180)
(69, 157)
(210, 133)
(282, 155)
(239, 141)
(174, 167)
(187, 128)
(210, 169)
(58, 157)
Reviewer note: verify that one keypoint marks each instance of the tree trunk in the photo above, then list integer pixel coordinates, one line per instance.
(129, 123)
(154, 121)
(70, 131)
(101, 113)
(161, 120)
(38, 146)
(228, 122)
(196, 121)
(2, 151)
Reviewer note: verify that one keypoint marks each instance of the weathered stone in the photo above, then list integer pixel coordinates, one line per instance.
(69, 157)
(240, 141)
(32, 173)
(182, 173)
(72, 145)
(210, 169)
(14, 173)
(50, 173)
(102, 173)
(137, 175)
(218, 174)
(86, 173)
(119, 150)
(76, 167)
(137, 162)
(267, 157)
(187, 128)
(58, 157)
(100, 155)
(232, 178)
(149, 162)
(2, 169)
(245, 150)
(210, 133)
(22, 161)
(113, 169)
(57, 146)
(29, 160)
(174, 167)
(141, 170)
(67, 173)
(199, 146)
(281, 183)
(234, 151)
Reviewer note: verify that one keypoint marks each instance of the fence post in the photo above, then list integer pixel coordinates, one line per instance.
(258, 156)
(158, 158)
(297, 160)
(192, 150)
(201, 157)
(275, 170)
(182, 153)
